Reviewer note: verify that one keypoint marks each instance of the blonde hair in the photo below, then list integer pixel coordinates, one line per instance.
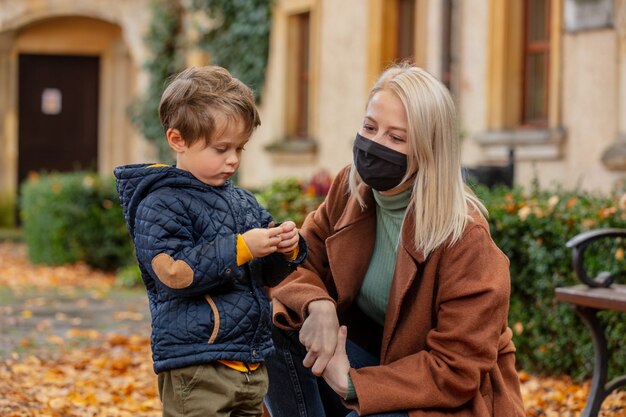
(192, 98)
(440, 198)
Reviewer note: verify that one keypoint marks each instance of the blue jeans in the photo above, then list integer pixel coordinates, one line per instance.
(295, 392)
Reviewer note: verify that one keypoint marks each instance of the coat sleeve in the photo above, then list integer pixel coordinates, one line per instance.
(309, 282)
(471, 316)
(276, 267)
(165, 247)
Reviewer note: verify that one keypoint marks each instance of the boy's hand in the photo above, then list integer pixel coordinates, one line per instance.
(289, 237)
(263, 242)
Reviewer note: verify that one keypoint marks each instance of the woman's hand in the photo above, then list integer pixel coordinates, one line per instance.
(336, 372)
(288, 238)
(319, 335)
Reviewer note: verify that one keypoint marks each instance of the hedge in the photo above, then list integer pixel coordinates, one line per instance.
(74, 217)
(532, 230)
(77, 217)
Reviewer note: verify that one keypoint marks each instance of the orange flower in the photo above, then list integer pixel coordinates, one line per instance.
(510, 207)
(571, 202)
(607, 212)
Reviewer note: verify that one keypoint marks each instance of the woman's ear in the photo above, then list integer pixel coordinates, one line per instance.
(175, 140)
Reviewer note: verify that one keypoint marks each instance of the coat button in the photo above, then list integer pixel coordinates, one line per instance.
(228, 270)
(254, 353)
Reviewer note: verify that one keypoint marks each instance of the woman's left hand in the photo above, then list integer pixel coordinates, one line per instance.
(336, 372)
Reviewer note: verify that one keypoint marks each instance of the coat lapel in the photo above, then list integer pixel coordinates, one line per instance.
(350, 248)
(409, 264)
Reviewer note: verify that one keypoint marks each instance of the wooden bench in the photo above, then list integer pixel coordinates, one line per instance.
(595, 294)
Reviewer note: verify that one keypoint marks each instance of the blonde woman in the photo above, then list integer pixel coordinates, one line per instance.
(401, 307)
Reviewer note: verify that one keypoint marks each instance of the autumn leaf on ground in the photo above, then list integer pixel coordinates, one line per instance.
(111, 379)
(72, 346)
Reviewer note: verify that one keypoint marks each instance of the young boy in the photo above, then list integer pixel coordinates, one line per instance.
(206, 249)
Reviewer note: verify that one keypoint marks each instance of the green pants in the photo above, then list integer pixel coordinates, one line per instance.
(212, 390)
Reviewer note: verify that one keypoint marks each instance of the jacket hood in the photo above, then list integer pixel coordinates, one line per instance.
(134, 182)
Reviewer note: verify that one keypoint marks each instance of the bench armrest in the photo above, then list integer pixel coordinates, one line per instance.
(579, 244)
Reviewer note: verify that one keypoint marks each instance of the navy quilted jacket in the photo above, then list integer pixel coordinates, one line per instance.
(221, 310)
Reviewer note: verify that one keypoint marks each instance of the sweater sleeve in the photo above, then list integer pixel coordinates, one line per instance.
(243, 251)
(292, 297)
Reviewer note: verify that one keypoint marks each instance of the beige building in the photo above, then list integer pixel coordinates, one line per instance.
(68, 72)
(545, 78)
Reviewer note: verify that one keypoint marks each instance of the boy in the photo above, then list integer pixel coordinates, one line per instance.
(206, 249)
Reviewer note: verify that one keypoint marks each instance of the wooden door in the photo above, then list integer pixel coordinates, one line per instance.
(58, 113)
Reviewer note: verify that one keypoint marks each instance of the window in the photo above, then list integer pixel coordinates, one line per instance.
(394, 28)
(524, 101)
(523, 60)
(405, 46)
(298, 76)
(536, 59)
(296, 25)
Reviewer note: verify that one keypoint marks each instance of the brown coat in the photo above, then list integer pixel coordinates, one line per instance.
(460, 362)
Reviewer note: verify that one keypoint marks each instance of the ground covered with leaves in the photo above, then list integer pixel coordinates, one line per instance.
(73, 344)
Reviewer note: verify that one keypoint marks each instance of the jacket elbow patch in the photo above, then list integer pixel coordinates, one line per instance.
(174, 274)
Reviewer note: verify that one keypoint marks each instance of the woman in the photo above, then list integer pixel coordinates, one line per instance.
(401, 256)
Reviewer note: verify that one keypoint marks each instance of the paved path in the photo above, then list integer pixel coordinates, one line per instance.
(62, 306)
(39, 320)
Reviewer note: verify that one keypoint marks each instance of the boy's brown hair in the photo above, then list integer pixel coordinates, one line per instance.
(192, 98)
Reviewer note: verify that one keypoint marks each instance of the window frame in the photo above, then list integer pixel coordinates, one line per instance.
(384, 39)
(299, 76)
(533, 48)
(503, 117)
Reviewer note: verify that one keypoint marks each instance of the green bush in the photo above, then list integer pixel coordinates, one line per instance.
(128, 276)
(74, 217)
(532, 229)
(290, 199)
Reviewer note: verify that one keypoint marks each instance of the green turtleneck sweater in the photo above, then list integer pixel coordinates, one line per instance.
(374, 293)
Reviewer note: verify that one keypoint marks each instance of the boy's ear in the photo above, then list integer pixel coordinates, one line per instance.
(175, 140)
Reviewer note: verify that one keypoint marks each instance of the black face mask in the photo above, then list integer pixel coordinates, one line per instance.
(380, 167)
